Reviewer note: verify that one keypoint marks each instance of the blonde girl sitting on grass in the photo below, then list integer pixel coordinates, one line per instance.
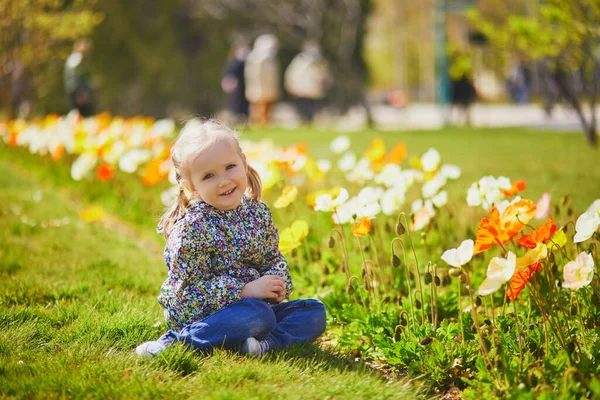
(227, 280)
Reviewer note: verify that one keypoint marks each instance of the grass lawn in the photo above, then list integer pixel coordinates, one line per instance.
(77, 298)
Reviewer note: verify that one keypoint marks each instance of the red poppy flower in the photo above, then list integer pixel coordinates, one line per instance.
(520, 279)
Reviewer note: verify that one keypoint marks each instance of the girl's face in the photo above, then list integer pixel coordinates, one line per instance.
(220, 175)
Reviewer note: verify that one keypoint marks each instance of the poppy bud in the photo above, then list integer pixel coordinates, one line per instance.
(437, 281)
(396, 261)
(331, 242)
(573, 310)
(487, 344)
(418, 304)
(400, 230)
(454, 272)
(428, 278)
(426, 340)
(478, 301)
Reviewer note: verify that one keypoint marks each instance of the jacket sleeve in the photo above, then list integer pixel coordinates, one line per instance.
(275, 263)
(197, 285)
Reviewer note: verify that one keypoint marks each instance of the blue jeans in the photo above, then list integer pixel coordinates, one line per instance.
(280, 324)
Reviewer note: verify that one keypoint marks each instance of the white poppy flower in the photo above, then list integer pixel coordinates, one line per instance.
(340, 144)
(500, 270)
(326, 203)
(130, 161)
(579, 273)
(389, 175)
(347, 162)
(392, 200)
(83, 165)
(430, 160)
(440, 199)
(461, 255)
(362, 172)
(450, 171)
(542, 208)
(324, 165)
(503, 183)
(163, 128)
(368, 210)
(370, 194)
(432, 187)
(587, 224)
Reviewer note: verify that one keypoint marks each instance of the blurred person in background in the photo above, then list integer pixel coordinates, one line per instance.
(519, 82)
(262, 74)
(22, 91)
(306, 80)
(548, 87)
(77, 84)
(463, 92)
(234, 85)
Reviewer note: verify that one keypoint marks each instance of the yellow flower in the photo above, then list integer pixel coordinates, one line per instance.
(287, 197)
(291, 238)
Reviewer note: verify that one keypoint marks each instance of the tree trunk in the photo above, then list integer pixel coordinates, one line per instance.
(589, 128)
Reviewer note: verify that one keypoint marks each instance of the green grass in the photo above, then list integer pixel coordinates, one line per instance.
(76, 299)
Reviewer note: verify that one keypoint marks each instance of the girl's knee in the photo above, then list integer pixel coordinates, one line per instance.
(258, 316)
(318, 315)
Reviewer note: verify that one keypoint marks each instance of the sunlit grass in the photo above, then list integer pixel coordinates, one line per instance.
(76, 299)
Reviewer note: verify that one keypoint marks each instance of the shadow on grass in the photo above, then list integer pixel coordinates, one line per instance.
(311, 355)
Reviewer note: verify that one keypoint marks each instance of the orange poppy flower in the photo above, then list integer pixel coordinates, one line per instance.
(502, 228)
(398, 153)
(517, 186)
(542, 234)
(153, 174)
(58, 152)
(13, 139)
(520, 279)
(362, 227)
(516, 215)
(105, 172)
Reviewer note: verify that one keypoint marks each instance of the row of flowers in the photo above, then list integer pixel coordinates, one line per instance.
(142, 146)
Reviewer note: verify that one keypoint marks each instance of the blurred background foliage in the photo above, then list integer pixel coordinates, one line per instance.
(165, 57)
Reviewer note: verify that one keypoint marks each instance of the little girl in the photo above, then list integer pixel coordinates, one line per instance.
(227, 279)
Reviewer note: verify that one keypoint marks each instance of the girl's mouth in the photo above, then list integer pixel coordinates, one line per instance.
(227, 193)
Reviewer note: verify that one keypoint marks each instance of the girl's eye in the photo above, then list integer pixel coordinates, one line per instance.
(207, 176)
(230, 166)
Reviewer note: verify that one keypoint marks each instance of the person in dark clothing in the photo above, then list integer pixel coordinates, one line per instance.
(463, 96)
(77, 85)
(234, 85)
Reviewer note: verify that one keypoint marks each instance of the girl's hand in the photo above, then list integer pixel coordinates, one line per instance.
(266, 287)
(281, 296)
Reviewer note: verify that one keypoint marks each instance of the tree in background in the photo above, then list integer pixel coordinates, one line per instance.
(565, 36)
(37, 36)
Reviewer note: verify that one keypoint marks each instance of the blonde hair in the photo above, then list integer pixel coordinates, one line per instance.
(193, 138)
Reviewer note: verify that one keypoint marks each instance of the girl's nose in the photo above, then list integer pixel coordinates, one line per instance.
(223, 182)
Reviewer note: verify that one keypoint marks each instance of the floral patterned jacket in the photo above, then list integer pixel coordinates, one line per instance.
(212, 254)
